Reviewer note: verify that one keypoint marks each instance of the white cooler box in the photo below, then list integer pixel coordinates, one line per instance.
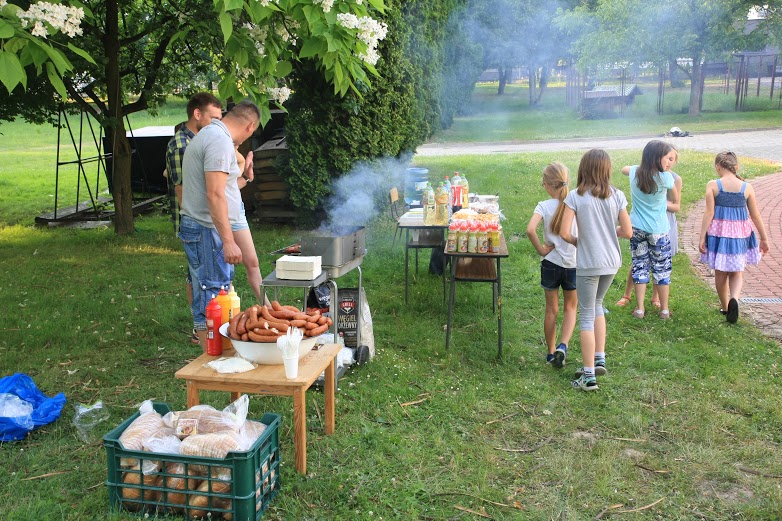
(292, 267)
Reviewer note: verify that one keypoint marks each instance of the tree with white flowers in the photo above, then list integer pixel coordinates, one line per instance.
(114, 58)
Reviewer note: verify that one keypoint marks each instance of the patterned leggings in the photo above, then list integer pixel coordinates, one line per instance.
(651, 252)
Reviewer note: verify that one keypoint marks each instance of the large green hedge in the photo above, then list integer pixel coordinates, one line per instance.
(427, 70)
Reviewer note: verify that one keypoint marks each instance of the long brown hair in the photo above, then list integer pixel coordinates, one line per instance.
(728, 161)
(648, 173)
(555, 175)
(594, 174)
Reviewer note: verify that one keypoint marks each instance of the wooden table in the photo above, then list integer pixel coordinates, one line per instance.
(270, 379)
(424, 236)
(477, 267)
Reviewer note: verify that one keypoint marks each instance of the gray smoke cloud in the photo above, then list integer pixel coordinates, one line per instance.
(358, 196)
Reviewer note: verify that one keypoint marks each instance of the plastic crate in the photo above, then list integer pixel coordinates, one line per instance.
(253, 477)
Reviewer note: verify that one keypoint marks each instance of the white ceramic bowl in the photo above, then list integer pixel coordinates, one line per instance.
(265, 353)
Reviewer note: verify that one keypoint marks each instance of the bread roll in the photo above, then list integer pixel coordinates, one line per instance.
(200, 504)
(134, 494)
(177, 481)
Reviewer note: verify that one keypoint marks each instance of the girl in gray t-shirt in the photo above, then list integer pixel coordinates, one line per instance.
(596, 207)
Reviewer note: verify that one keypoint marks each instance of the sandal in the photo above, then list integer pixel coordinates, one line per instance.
(622, 302)
(664, 314)
(639, 314)
(656, 303)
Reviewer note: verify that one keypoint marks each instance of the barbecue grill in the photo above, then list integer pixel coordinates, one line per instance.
(341, 250)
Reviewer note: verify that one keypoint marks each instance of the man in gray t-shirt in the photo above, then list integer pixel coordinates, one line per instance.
(211, 202)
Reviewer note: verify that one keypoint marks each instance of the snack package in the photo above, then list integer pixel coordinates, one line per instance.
(205, 419)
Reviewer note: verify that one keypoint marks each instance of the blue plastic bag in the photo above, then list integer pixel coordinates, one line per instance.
(45, 410)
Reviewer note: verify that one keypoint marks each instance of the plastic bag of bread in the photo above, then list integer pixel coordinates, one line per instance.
(212, 445)
(164, 443)
(250, 432)
(148, 424)
(204, 419)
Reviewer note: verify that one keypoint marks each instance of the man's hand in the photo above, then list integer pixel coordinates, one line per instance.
(249, 172)
(232, 253)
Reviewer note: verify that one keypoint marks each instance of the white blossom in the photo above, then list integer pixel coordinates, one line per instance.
(39, 29)
(325, 4)
(57, 16)
(279, 94)
(3, 3)
(369, 31)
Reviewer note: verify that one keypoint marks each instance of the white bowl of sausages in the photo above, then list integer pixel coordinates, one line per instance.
(263, 325)
(265, 353)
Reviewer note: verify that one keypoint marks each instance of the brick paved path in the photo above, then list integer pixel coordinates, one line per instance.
(762, 281)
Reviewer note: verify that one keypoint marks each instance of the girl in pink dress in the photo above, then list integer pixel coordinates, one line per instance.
(728, 242)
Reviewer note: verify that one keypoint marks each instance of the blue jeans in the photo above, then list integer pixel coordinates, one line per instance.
(206, 265)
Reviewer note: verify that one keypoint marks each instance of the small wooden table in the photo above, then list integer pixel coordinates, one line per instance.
(270, 379)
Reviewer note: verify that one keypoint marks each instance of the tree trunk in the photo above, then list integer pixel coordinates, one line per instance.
(115, 128)
(696, 86)
(502, 73)
(532, 73)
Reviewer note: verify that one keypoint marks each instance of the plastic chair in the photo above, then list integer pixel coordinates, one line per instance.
(397, 210)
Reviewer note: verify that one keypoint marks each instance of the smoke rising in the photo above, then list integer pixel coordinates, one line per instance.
(358, 196)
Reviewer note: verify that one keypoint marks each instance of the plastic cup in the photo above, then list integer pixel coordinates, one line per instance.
(291, 367)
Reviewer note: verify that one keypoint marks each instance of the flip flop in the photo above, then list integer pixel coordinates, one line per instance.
(664, 314)
(622, 302)
(639, 314)
(656, 303)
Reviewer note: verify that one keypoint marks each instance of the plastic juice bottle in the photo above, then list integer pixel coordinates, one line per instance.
(429, 205)
(472, 238)
(483, 238)
(450, 245)
(441, 206)
(224, 300)
(214, 318)
(465, 193)
(448, 189)
(456, 192)
(494, 238)
(462, 237)
(236, 303)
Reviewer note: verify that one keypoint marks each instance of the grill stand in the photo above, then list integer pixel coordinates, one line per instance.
(328, 275)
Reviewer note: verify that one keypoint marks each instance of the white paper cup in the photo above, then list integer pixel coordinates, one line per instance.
(291, 367)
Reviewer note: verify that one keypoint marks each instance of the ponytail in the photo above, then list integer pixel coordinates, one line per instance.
(555, 175)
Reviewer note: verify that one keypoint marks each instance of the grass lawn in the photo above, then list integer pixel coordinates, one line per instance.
(688, 415)
(493, 118)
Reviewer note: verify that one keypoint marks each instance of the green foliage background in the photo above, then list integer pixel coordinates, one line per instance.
(420, 88)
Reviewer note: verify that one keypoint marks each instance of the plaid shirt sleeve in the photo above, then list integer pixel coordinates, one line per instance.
(174, 154)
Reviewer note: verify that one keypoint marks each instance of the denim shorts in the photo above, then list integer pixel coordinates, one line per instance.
(553, 276)
(206, 264)
(241, 224)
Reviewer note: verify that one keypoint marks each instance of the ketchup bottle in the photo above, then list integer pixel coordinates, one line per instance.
(224, 300)
(214, 319)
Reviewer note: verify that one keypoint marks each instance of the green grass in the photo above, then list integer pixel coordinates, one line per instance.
(508, 117)
(687, 404)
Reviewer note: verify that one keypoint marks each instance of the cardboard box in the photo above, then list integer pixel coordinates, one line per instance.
(296, 267)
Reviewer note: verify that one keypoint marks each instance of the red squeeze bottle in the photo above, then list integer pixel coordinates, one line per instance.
(214, 319)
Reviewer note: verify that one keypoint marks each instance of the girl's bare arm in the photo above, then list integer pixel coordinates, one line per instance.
(708, 215)
(532, 235)
(567, 226)
(757, 220)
